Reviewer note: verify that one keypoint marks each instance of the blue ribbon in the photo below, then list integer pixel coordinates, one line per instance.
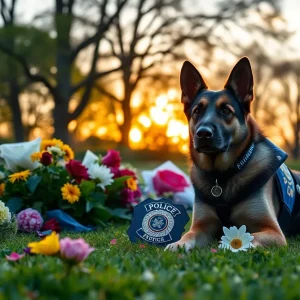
(66, 221)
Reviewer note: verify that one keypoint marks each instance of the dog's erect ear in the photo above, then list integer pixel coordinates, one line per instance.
(191, 82)
(240, 82)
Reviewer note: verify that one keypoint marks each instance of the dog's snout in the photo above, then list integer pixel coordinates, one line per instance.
(204, 132)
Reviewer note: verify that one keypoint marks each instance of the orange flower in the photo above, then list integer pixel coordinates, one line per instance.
(2, 188)
(131, 184)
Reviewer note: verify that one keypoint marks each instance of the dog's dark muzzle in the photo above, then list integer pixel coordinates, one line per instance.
(205, 141)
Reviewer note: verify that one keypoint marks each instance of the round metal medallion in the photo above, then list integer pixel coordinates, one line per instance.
(216, 190)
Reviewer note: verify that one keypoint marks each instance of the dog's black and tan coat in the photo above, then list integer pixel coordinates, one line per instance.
(221, 131)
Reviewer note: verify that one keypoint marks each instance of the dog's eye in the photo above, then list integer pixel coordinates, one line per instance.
(197, 111)
(225, 111)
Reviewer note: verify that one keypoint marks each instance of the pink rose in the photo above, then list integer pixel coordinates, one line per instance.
(74, 251)
(166, 181)
(112, 159)
(29, 220)
(115, 171)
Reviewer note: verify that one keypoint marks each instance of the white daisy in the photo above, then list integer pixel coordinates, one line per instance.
(2, 175)
(101, 174)
(236, 239)
(56, 151)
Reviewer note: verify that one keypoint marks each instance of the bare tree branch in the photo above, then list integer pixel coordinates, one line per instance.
(22, 61)
(3, 7)
(99, 33)
(96, 76)
(106, 93)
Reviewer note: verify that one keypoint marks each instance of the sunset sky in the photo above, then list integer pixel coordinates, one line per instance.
(163, 113)
(290, 9)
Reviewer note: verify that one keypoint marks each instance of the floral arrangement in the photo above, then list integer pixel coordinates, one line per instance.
(42, 176)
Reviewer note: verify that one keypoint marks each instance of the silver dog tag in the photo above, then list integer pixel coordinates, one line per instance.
(216, 190)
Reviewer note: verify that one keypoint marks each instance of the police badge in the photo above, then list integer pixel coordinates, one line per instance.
(158, 222)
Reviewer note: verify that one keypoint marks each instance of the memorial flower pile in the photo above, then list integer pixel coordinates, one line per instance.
(42, 176)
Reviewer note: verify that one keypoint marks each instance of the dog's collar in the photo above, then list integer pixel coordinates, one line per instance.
(240, 163)
(276, 158)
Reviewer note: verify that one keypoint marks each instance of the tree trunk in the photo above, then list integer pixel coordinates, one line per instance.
(14, 91)
(60, 116)
(63, 23)
(126, 126)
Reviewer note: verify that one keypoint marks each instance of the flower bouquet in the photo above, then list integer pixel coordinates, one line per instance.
(42, 175)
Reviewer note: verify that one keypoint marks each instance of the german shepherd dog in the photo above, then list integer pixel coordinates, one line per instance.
(228, 154)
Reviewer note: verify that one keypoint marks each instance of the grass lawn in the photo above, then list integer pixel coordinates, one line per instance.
(126, 271)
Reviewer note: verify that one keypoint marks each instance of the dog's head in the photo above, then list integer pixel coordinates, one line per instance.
(217, 119)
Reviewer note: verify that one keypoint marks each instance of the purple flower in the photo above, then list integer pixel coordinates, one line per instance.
(29, 220)
(74, 251)
(14, 256)
(27, 251)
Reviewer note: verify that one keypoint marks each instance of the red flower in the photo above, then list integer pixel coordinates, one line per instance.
(46, 158)
(166, 181)
(112, 159)
(51, 224)
(127, 197)
(127, 172)
(77, 170)
(137, 193)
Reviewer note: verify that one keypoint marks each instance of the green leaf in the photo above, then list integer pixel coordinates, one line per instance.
(89, 206)
(102, 213)
(14, 204)
(87, 187)
(38, 205)
(98, 197)
(121, 213)
(33, 182)
(118, 183)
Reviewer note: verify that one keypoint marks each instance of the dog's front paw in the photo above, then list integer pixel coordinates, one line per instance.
(187, 245)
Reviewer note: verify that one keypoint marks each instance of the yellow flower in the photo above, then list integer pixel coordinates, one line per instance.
(48, 246)
(69, 152)
(70, 192)
(19, 176)
(2, 188)
(48, 143)
(36, 156)
(131, 183)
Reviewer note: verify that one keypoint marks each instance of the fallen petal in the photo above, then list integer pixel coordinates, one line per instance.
(14, 256)
(113, 241)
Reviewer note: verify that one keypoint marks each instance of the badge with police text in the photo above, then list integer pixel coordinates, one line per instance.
(159, 222)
